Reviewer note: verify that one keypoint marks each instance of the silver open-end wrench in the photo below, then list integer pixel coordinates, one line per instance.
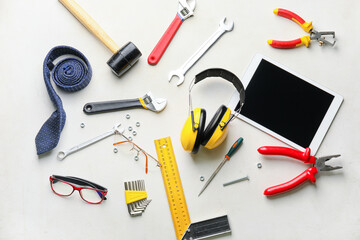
(63, 154)
(180, 73)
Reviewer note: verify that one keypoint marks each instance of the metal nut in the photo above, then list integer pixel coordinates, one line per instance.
(127, 116)
(130, 128)
(134, 133)
(136, 158)
(82, 125)
(130, 138)
(259, 165)
(137, 124)
(202, 178)
(115, 150)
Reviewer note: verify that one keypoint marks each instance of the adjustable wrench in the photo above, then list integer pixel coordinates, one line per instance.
(63, 154)
(180, 73)
(185, 11)
(148, 101)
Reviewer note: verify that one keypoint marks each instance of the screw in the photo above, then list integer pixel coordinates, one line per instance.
(138, 124)
(134, 133)
(127, 116)
(82, 125)
(236, 181)
(115, 150)
(259, 165)
(130, 128)
(136, 158)
(202, 178)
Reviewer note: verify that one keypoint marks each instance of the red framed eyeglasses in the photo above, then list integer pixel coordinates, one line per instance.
(90, 192)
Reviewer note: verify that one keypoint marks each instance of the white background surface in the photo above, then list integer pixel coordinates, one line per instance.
(29, 209)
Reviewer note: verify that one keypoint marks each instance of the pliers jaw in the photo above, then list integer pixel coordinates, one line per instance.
(320, 163)
(320, 37)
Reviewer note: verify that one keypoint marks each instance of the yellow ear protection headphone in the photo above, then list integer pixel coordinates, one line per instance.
(194, 132)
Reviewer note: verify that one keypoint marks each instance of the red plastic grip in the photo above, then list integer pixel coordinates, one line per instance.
(290, 15)
(164, 42)
(289, 152)
(286, 44)
(308, 174)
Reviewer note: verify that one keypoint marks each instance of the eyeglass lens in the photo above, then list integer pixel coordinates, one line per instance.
(61, 188)
(91, 195)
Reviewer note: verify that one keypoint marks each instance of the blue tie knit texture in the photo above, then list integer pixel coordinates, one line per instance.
(70, 74)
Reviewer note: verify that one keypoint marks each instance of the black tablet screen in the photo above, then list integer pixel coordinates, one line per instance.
(285, 104)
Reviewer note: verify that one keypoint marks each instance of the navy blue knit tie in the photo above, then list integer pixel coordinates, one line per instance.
(70, 74)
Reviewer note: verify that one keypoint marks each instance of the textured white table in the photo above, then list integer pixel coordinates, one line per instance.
(28, 208)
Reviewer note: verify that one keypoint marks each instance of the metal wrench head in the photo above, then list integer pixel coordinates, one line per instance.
(186, 9)
(178, 74)
(227, 27)
(116, 129)
(154, 104)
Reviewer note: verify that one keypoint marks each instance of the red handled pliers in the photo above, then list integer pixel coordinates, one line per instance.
(318, 165)
(307, 26)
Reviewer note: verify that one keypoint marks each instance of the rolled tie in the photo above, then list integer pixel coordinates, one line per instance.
(71, 74)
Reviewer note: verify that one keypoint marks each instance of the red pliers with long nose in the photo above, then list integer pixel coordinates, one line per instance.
(309, 174)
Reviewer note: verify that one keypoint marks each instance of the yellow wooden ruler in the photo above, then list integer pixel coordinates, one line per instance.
(172, 182)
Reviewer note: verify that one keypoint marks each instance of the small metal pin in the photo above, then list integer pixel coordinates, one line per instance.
(236, 181)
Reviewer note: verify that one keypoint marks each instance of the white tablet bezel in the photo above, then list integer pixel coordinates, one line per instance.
(325, 124)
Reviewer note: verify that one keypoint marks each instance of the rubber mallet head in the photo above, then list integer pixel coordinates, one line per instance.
(124, 59)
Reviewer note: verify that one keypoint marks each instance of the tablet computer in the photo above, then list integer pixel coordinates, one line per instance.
(286, 105)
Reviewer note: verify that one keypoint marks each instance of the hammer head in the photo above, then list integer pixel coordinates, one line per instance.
(124, 59)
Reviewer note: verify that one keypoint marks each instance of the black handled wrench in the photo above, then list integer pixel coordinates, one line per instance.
(147, 101)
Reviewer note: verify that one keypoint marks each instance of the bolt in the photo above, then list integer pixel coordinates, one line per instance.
(115, 150)
(259, 165)
(202, 178)
(127, 116)
(236, 181)
(82, 125)
(130, 128)
(134, 133)
(138, 124)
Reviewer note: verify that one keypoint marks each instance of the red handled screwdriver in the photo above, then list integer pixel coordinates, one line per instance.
(227, 157)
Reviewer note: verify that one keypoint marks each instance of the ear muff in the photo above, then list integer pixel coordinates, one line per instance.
(190, 139)
(216, 131)
(213, 134)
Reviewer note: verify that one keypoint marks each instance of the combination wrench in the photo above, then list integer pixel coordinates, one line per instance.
(63, 154)
(180, 73)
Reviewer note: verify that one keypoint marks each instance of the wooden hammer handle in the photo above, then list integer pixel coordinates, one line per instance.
(90, 24)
